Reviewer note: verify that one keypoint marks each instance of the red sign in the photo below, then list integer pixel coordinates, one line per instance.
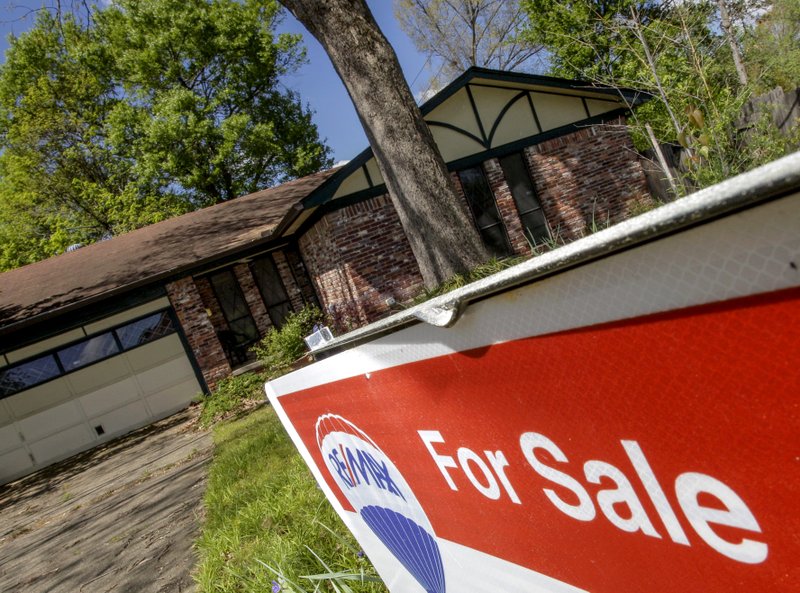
(654, 454)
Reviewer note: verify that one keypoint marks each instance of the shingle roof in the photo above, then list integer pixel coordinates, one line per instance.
(145, 255)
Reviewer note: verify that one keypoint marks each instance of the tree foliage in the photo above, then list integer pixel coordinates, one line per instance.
(683, 54)
(458, 34)
(141, 111)
(772, 48)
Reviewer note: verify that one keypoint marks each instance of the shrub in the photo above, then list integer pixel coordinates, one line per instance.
(281, 348)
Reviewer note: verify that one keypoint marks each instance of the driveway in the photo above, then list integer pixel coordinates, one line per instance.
(121, 517)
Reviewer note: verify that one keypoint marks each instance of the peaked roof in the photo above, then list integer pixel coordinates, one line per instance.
(145, 255)
(477, 75)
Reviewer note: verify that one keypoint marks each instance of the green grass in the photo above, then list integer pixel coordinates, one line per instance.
(263, 506)
(493, 266)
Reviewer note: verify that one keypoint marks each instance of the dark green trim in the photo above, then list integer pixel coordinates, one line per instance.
(187, 348)
(57, 321)
(367, 175)
(502, 114)
(632, 96)
(112, 330)
(471, 136)
(518, 145)
(617, 98)
(477, 117)
(52, 324)
(338, 203)
(585, 107)
(457, 165)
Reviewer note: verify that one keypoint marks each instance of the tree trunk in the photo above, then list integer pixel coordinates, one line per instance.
(727, 28)
(436, 221)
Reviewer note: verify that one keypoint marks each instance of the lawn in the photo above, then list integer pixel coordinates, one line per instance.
(263, 507)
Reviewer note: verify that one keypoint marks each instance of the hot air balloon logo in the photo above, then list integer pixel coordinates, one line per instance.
(382, 497)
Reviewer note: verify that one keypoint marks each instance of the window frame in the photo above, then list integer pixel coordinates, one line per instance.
(63, 371)
(500, 223)
(288, 301)
(522, 214)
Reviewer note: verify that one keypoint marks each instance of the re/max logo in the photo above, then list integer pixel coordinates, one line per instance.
(356, 468)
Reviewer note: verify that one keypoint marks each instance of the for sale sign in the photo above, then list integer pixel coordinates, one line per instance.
(631, 425)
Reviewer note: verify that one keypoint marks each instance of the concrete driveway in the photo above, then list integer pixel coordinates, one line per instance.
(118, 518)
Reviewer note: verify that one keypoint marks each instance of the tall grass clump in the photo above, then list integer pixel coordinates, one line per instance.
(265, 516)
(493, 266)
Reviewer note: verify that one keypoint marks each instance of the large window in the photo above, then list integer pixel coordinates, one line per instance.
(530, 211)
(92, 349)
(88, 351)
(484, 211)
(242, 330)
(272, 291)
(28, 374)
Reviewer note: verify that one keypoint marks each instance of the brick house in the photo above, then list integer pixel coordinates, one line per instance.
(98, 341)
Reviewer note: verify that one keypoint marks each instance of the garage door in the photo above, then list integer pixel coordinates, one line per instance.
(119, 374)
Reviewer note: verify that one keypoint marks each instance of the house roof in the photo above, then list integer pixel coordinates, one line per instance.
(487, 78)
(196, 240)
(148, 254)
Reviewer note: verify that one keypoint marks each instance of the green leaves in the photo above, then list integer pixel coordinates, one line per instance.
(157, 108)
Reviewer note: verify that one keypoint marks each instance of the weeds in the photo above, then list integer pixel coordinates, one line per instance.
(232, 396)
(493, 266)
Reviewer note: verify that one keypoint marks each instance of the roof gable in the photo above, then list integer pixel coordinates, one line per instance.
(484, 110)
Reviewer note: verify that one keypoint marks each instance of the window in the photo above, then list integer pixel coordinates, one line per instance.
(530, 211)
(28, 374)
(88, 351)
(145, 330)
(484, 211)
(272, 291)
(242, 330)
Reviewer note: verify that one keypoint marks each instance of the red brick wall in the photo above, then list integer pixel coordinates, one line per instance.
(209, 302)
(591, 177)
(301, 277)
(189, 307)
(358, 257)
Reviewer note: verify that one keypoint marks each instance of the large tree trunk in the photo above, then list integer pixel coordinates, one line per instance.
(436, 221)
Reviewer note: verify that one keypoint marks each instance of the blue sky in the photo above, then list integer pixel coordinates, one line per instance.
(317, 82)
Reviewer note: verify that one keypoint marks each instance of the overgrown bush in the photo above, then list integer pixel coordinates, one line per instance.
(232, 396)
(281, 348)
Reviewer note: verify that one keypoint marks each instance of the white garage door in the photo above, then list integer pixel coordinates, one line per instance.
(67, 395)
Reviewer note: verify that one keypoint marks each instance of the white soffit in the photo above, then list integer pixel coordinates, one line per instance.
(517, 123)
(456, 111)
(555, 111)
(374, 172)
(302, 217)
(356, 181)
(490, 102)
(597, 107)
(453, 144)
